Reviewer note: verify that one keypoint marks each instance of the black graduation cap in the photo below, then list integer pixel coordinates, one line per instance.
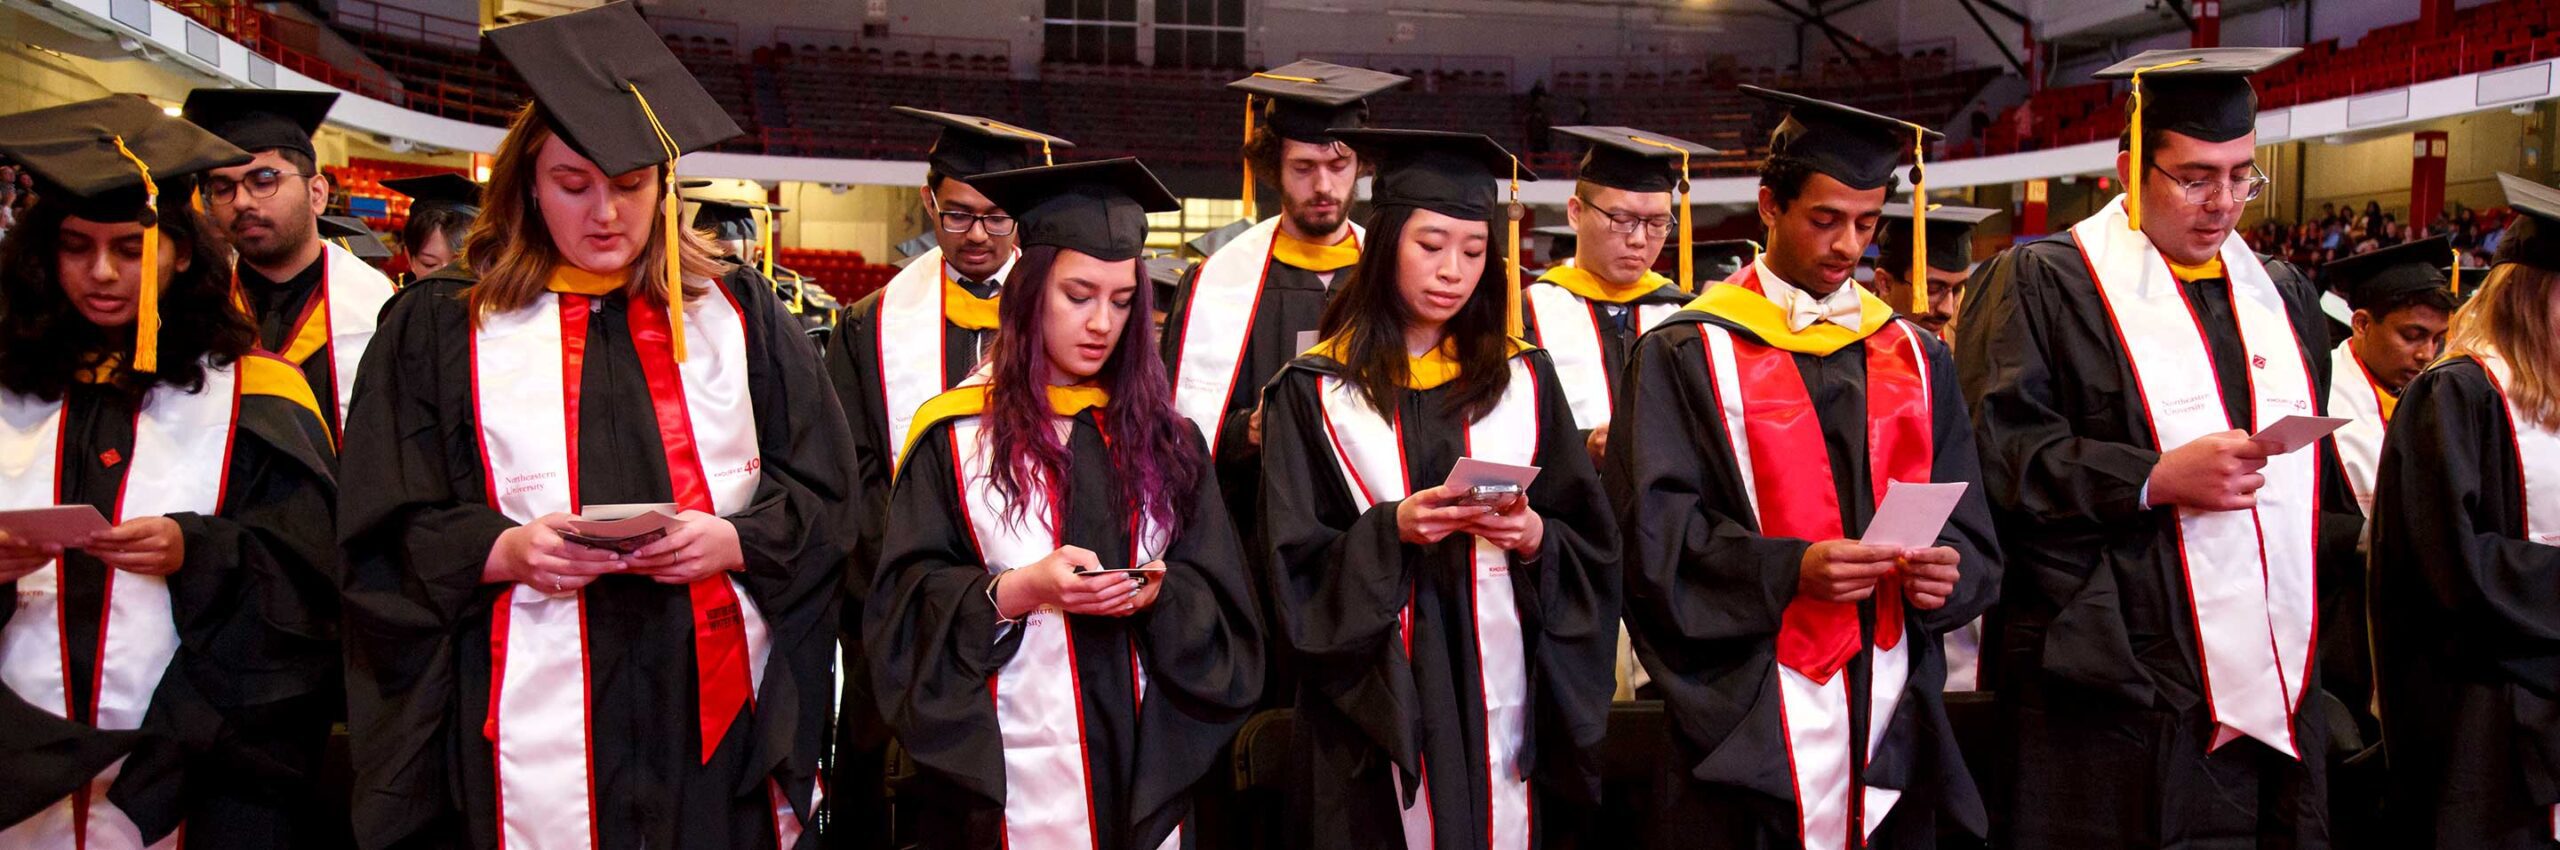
(354, 235)
(1635, 160)
(2534, 237)
(261, 119)
(972, 145)
(1562, 239)
(1722, 257)
(432, 190)
(1950, 237)
(2370, 278)
(1096, 208)
(609, 84)
(1854, 146)
(2201, 92)
(111, 160)
(1311, 99)
(727, 219)
(1209, 243)
(1165, 273)
(914, 247)
(71, 151)
(1453, 174)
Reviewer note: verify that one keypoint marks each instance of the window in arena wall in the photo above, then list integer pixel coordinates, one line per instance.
(1099, 32)
(1199, 34)
(1170, 231)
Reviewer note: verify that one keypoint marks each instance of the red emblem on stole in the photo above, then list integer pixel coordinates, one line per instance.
(110, 457)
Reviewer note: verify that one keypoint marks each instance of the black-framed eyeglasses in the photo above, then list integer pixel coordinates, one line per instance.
(1627, 223)
(2200, 192)
(261, 184)
(955, 221)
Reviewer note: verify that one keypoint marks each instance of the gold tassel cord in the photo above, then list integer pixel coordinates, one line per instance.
(2455, 272)
(1919, 223)
(2138, 170)
(764, 244)
(1248, 161)
(146, 321)
(1688, 270)
(670, 210)
(1512, 322)
(1047, 156)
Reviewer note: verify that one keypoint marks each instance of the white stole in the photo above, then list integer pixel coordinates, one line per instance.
(355, 293)
(2352, 395)
(1038, 692)
(181, 449)
(2249, 574)
(1225, 297)
(539, 712)
(1569, 329)
(1816, 714)
(1368, 452)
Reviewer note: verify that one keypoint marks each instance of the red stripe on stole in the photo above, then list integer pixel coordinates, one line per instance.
(721, 677)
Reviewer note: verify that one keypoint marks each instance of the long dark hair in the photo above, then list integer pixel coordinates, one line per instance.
(1157, 470)
(1367, 322)
(45, 343)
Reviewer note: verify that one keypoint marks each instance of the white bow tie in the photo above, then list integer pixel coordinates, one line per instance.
(1840, 308)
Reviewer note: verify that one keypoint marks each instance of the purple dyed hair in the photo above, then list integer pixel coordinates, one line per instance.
(1157, 468)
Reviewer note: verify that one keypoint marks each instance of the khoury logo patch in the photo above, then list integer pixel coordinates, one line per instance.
(2258, 360)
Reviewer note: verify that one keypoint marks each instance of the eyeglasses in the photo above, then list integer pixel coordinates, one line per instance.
(2199, 192)
(1624, 223)
(261, 185)
(954, 221)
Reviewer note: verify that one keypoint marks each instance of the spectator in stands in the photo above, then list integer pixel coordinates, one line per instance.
(1058, 558)
(512, 680)
(1768, 627)
(170, 677)
(2114, 410)
(315, 302)
(9, 196)
(918, 335)
(1484, 729)
(441, 209)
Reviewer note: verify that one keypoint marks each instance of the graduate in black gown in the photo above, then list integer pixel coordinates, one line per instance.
(441, 207)
(171, 678)
(920, 334)
(1949, 259)
(2115, 372)
(1758, 432)
(1456, 644)
(1047, 704)
(2466, 562)
(509, 685)
(314, 300)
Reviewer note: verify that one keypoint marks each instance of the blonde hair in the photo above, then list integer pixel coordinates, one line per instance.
(510, 249)
(2511, 317)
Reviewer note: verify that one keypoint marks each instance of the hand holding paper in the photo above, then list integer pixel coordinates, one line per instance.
(2294, 433)
(1910, 519)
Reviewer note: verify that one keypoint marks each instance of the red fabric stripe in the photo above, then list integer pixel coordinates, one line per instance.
(1797, 499)
(1900, 443)
(719, 628)
(574, 311)
(497, 692)
(1182, 350)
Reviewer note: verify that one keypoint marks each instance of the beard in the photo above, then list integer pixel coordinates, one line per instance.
(1314, 221)
(282, 239)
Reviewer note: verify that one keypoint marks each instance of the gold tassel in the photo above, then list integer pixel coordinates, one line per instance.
(1511, 319)
(1248, 161)
(1688, 271)
(2139, 169)
(670, 230)
(146, 320)
(2456, 273)
(1919, 224)
(764, 244)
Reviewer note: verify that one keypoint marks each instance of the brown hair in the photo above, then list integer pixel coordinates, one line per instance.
(511, 251)
(2511, 316)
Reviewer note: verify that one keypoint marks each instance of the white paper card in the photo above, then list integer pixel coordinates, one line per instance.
(1471, 473)
(2293, 433)
(61, 525)
(1913, 514)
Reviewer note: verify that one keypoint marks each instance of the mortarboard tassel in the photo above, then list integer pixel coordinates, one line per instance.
(764, 244)
(670, 209)
(1511, 320)
(2455, 271)
(1248, 161)
(146, 321)
(1919, 224)
(1688, 272)
(2140, 168)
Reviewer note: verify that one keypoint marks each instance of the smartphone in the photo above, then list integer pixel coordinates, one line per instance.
(1490, 494)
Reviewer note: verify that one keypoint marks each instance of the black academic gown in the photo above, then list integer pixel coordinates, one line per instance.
(1618, 329)
(2099, 654)
(935, 649)
(278, 308)
(418, 531)
(854, 776)
(1339, 578)
(231, 743)
(1706, 590)
(1292, 303)
(2466, 624)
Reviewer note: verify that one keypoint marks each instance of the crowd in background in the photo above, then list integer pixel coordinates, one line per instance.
(2345, 231)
